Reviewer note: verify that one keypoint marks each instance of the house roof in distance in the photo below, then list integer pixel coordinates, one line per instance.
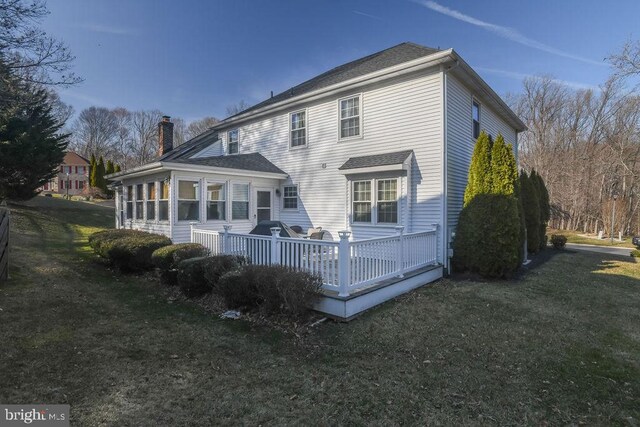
(251, 162)
(385, 58)
(375, 160)
(71, 158)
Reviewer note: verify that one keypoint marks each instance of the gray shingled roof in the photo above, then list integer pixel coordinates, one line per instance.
(190, 147)
(386, 58)
(376, 160)
(251, 162)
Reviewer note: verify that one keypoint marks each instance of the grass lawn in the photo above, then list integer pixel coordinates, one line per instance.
(559, 346)
(577, 237)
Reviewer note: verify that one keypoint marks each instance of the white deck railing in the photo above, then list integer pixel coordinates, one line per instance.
(344, 265)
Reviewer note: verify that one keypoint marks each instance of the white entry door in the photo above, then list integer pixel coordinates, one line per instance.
(263, 205)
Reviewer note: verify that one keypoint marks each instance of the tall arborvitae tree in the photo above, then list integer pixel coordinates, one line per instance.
(545, 211)
(109, 169)
(101, 183)
(531, 206)
(479, 180)
(117, 168)
(92, 170)
(31, 142)
(504, 173)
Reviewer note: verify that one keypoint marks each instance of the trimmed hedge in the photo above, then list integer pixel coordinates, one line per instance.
(198, 276)
(167, 258)
(270, 290)
(558, 241)
(128, 250)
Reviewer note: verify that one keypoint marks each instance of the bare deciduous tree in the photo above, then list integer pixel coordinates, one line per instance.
(237, 108)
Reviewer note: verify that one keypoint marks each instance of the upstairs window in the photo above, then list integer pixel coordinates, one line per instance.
(362, 201)
(299, 129)
(188, 201)
(151, 201)
(163, 202)
(216, 206)
(475, 114)
(350, 117)
(139, 201)
(290, 197)
(233, 142)
(240, 201)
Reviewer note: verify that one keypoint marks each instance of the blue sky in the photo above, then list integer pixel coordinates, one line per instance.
(193, 58)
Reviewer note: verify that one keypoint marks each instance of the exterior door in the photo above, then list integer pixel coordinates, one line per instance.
(263, 206)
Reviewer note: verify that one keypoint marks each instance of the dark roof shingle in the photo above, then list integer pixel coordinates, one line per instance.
(251, 162)
(386, 58)
(374, 160)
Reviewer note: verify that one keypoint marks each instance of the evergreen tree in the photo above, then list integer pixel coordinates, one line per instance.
(117, 168)
(92, 170)
(479, 180)
(31, 143)
(523, 223)
(531, 207)
(101, 183)
(504, 172)
(109, 169)
(543, 200)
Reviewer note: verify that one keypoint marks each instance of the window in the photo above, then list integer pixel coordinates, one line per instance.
(151, 201)
(362, 201)
(80, 185)
(388, 201)
(130, 202)
(475, 113)
(298, 129)
(350, 117)
(139, 201)
(290, 197)
(188, 201)
(240, 201)
(163, 202)
(232, 141)
(216, 202)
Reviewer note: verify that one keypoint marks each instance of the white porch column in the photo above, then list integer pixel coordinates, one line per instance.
(275, 253)
(400, 251)
(225, 238)
(192, 225)
(344, 263)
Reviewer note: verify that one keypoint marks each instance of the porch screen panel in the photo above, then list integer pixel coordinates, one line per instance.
(139, 201)
(151, 201)
(240, 203)
(129, 202)
(216, 205)
(163, 202)
(188, 201)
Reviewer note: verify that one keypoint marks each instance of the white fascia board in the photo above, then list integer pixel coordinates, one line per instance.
(374, 169)
(384, 74)
(185, 167)
(139, 171)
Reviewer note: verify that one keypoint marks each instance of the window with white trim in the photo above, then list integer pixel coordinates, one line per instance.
(350, 117)
(139, 201)
(216, 205)
(375, 201)
(151, 201)
(163, 201)
(298, 131)
(362, 201)
(240, 202)
(475, 116)
(188, 200)
(233, 142)
(290, 197)
(130, 202)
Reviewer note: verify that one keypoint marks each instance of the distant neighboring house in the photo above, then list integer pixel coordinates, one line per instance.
(371, 148)
(73, 174)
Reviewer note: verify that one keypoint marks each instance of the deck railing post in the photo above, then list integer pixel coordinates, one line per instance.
(344, 263)
(225, 238)
(400, 251)
(193, 232)
(275, 253)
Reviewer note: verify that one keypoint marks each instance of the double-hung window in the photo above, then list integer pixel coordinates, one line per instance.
(151, 201)
(350, 117)
(298, 129)
(216, 206)
(188, 200)
(290, 197)
(139, 201)
(130, 202)
(362, 201)
(375, 201)
(240, 201)
(163, 201)
(233, 142)
(475, 115)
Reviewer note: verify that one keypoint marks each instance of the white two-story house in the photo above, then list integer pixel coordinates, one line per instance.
(380, 142)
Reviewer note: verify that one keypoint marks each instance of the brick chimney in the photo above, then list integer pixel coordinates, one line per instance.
(165, 135)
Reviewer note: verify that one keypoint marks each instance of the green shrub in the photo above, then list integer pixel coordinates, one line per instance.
(128, 250)
(220, 265)
(531, 204)
(270, 290)
(558, 241)
(167, 258)
(635, 253)
(198, 276)
(487, 239)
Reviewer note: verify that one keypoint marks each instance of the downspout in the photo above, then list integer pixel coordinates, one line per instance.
(445, 171)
